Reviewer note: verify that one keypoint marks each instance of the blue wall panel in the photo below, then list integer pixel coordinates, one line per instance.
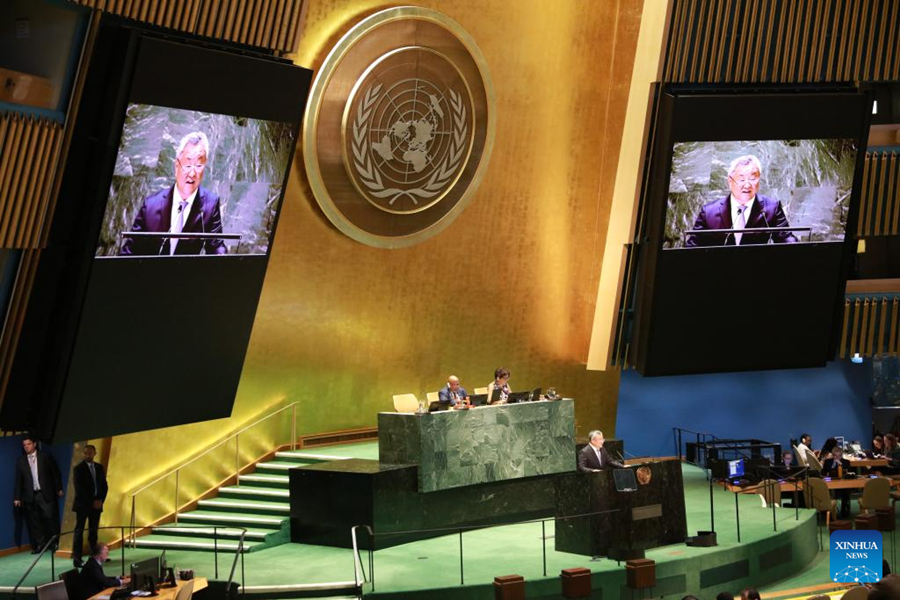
(770, 405)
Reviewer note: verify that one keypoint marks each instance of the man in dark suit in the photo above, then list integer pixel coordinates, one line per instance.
(37, 488)
(186, 207)
(744, 208)
(837, 466)
(90, 493)
(594, 457)
(92, 580)
(452, 393)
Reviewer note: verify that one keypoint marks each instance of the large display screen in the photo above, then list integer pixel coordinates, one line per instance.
(185, 172)
(168, 210)
(790, 191)
(742, 247)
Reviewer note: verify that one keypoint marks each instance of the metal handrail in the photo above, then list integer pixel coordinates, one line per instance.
(458, 529)
(237, 464)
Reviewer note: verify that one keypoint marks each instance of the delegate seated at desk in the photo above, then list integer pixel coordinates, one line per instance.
(837, 466)
(594, 457)
(501, 382)
(92, 580)
(452, 393)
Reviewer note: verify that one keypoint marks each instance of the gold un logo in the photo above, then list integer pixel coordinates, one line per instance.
(415, 129)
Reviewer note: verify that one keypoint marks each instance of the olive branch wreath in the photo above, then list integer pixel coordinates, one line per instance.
(371, 177)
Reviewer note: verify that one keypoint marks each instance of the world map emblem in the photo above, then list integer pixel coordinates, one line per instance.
(399, 127)
(408, 136)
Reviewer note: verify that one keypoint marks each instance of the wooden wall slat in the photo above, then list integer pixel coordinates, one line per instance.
(854, 330)
(894, 191)
(24, 153)
(895, 323)
(864, 196)
(879, 200)
(23, 192)
(870, 338)
(842, 352)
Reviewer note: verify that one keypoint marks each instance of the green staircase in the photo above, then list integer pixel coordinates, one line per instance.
(259, 503)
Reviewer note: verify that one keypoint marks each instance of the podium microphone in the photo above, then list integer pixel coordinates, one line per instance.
(766, 221)
(202, 230)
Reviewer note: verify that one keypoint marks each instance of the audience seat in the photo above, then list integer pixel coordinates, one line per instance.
(406, 403)
(876, 494)
(770, 492)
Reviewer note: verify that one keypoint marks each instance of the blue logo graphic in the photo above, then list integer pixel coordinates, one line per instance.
(856, 556)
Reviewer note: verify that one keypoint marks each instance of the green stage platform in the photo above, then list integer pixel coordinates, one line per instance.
(431, 568)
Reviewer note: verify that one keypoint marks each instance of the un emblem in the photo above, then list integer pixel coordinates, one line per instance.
(407, 96)
(409, 136)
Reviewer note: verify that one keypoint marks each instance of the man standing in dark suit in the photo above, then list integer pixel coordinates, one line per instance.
(92, 580)
(186, 207)
(744, 208)
(37, 488)
(90, 493)
(594, 456)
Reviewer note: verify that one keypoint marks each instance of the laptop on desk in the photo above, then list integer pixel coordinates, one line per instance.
(516, 397)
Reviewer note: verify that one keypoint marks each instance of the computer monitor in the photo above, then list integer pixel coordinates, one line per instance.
(535, 394)
(840, 442)
(516, 397)
(495, 396)
(478, 399)
(145, 574)
(735, 468)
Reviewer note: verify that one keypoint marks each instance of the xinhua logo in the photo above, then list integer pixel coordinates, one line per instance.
(856, 556)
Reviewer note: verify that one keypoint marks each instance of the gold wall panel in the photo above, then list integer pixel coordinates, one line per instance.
(342, 326)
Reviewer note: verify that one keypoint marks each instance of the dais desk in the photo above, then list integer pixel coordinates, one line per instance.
(457, 448)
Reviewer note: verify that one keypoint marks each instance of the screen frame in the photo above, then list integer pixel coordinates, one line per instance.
(691, 113)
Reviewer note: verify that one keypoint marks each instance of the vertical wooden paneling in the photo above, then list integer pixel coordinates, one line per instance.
(895, 323)
(842, 352)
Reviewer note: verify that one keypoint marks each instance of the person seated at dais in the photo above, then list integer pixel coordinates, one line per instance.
(501, 382)
(452, 394)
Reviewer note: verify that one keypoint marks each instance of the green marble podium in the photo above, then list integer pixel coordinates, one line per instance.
(481, 445)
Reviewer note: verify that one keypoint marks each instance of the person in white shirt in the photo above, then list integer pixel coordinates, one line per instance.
(803, 447)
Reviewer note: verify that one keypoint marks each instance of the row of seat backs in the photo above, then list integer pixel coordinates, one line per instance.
(876, 493)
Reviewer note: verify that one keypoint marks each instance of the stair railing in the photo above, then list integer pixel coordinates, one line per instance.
(177, 471)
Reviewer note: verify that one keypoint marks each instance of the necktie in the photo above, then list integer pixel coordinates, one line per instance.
(178, 225)
(93, 476)
(600, 458)
(739, 224)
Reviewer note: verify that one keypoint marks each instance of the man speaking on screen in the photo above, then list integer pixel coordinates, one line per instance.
(743, 208)
(186, 207)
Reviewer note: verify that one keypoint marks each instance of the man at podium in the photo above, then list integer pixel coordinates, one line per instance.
(186, 207)
(594, 457)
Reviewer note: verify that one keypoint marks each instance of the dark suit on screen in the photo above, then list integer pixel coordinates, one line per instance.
(86, 493)
(765, 212)
(155, 215)
(92, 580)
(41, 507)
(588, 461)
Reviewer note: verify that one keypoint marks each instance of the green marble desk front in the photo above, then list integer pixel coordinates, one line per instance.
(480, 445)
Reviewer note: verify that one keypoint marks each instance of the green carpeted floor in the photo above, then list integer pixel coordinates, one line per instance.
(434, 564)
